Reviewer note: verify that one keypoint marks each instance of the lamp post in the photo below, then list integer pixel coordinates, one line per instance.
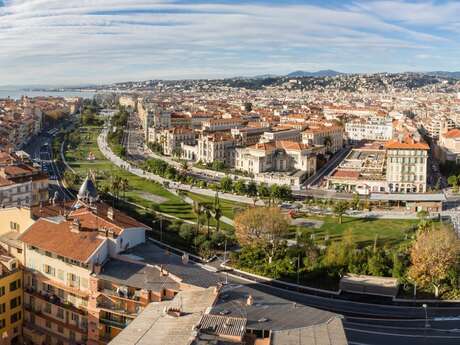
(425, 307)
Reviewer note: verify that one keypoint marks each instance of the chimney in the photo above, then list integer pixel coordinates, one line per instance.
(250, 300)
(97, 269)
(110, 213)
(76, 226)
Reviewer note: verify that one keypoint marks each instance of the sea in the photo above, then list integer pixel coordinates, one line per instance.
(16, 94)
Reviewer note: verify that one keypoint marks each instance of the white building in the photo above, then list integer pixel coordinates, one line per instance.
(370, 128)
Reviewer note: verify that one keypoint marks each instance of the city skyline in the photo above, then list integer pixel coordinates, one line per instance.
(73, 42)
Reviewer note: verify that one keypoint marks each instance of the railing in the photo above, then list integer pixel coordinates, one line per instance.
(118, 309)
(114, 323)
(130, 296)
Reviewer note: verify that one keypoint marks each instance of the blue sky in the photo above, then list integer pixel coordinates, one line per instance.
(98, 41)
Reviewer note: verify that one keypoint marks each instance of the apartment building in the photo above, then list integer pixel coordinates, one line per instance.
(212, 147)
(11, 303)
(370, 128)
(20, 182)
(128, 101)
(248, 135)
(280, 133)
(63, 249)
(407, 166)
(436, 123)
(171, 139)
(215, 125)
(329, 136)
(448, 146)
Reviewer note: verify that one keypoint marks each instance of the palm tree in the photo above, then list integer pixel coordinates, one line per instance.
(124, 185)
(217, 215)
(208, 215)
(115, 186)
(340, 209)
(198, 210)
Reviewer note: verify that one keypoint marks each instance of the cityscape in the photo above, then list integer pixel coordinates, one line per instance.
(229, 172)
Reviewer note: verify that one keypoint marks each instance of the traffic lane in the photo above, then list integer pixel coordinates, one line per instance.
(362, 335)
(352, 308)
(451, 325)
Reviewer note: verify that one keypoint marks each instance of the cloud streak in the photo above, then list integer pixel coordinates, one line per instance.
(108, 40)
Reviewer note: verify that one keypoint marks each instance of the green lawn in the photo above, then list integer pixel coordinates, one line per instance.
(364, 230)
(76, 158)
(229, 208)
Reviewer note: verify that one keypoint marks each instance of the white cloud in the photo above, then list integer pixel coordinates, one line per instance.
(105, 40)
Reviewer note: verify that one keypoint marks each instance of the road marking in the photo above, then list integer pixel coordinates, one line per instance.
(401, 334)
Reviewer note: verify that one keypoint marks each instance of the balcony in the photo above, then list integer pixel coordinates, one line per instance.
(121, 324)
(118, 309)
(53, 299)
(131, 296)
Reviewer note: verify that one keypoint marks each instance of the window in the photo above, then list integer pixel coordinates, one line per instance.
(2, 308)
(16, 317)
(49, 270)
(72, 335)
(48, 308)
(60, 313)
(2, 291)
(15, 302)
(15, 285)
(60, 274)
(60, 329)
(14, 226)
(75, 317)
(48, 324)
(2, 323)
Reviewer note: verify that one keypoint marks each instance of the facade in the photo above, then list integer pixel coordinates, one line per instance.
(390, 167)
(171, 139)
(215, 125)
(407, 166)
(20, 182)
(212, 147)
(371, 128)
(329, 136)
(448, 146)
(11, 303)
(290, 134)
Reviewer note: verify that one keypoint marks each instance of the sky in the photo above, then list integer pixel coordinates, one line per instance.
(69, 42)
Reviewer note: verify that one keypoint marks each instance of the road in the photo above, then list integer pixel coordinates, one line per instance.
(364, 323)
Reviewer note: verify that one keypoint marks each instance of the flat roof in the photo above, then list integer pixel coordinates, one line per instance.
(408, 197)
(328, 333)
(154, 326)
(136, 275)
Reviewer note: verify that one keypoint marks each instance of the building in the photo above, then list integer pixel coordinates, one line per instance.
(383, 167)
(171, 139)
(375, 128)
(406, 166)
(215, 125)
(20, 182)
(217, 146)
(64, 249)
(329, 136)
(448, 146)
(11, 303)
(278, 134)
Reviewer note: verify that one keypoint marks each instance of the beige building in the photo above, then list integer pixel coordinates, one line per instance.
(448, 148)
(407, 166)
(329, 136)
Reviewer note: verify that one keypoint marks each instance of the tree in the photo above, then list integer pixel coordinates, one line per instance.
(264, 192)
(251, 189)
(226, 184)
(124, 185)
(248, 107)
(433, 255)
(240, 187)
(453, 182)
(198, 210)
(217, 215)
(261, 225)
(207, 212)
(339, 209)
(355, 202)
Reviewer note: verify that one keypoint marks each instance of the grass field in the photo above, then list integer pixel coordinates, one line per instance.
(389, 231)
(229, 208)
(77, 159)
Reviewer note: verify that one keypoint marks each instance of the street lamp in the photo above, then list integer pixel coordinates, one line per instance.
(425, 307)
